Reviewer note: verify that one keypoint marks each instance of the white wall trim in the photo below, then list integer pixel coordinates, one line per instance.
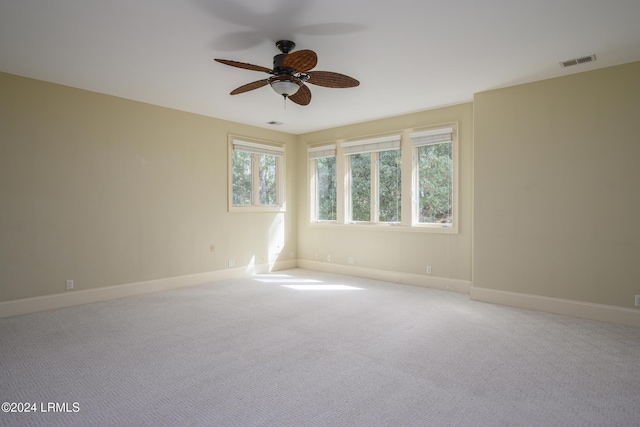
(389, 276)
(600, 312)
(71, 298)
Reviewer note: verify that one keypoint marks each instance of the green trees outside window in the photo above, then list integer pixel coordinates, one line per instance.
(382, 172)
(435, 172)
(326, 189)
(267, 180)
(390, 186)
(241, 173)
(243, 182)
(361, 187)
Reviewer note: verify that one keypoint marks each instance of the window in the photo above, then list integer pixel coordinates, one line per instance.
(375, 180)
(408, 181)
(434, 187)
(323, 180)
(256, 175)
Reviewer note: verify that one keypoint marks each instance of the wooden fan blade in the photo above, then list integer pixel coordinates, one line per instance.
(250, 86)
(243, 65)
(302, 60)
(331, 79)
(302, 96)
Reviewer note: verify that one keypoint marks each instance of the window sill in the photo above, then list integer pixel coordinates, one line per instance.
(256, 209)
(421, 228)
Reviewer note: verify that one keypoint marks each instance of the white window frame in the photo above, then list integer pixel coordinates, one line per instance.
(426, 136)
(373, 146)
(257, 147)
(410, 191)
(314, 153)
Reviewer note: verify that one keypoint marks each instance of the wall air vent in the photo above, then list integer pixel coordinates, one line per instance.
(577, 61)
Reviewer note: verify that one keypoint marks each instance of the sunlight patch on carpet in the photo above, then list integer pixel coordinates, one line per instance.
(323, 287)
(288, 281)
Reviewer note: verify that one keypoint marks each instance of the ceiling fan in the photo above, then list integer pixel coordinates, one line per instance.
(290, 73)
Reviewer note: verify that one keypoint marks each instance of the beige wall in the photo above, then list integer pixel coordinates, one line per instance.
(556, 187)
(449, 255)
(107, 191)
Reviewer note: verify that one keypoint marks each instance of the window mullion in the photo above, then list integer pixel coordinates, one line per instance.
(415, 187)
(314, 191)
(375, 187)
(255, 179)
(279, 179)
(348, 189)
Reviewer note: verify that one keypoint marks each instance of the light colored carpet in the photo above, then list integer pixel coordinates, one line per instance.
(253, 352)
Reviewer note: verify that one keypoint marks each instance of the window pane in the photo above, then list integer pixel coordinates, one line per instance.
(435, 171)
(390, 186)
(267, 171)
(361, 187)
(241, 172)
(326, 188)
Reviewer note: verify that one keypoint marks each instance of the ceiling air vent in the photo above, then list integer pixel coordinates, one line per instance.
(577, 61)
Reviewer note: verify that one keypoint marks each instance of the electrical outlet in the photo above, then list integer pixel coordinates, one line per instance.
(212, 248)
(428, 269)
(351, 260)
(637, 300)
(69, 284)
(232, 263)
(292, 255)
(262, 259)
(328, 258)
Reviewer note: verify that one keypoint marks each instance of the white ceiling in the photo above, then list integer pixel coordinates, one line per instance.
(409, 55)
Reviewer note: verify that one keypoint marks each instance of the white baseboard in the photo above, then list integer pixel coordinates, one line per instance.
(389, 276)
(600, 312)
(71, 298)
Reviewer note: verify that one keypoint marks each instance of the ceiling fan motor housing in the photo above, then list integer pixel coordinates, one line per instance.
(285, 46)
(278, 64)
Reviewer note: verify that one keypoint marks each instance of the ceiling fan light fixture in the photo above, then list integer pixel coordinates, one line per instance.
(285, 85)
